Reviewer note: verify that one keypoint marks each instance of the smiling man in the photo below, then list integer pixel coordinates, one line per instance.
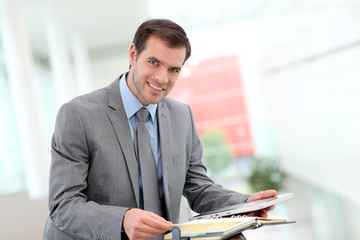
(155, 70)
(110, 181)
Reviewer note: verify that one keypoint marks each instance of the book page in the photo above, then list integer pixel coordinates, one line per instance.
(207, 227)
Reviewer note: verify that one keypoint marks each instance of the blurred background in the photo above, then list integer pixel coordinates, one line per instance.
(274, 87)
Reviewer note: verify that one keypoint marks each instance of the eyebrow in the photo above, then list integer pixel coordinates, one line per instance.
(157, 60)
(152, 58)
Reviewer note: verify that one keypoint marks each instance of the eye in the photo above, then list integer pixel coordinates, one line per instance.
(153, 62)
(174, 70)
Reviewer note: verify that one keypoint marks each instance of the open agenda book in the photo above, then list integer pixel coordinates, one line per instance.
(221, 228)
(226, 222)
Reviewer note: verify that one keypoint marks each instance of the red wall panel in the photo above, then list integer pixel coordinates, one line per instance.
(215, 94)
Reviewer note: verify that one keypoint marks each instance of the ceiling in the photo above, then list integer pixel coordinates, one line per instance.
(102, 25)
(107, 26)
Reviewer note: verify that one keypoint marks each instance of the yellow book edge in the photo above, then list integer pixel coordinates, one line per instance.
(219, 228)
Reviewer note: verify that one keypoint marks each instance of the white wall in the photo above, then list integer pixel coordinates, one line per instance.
(302, 81)
(313, 97)
(106, 70)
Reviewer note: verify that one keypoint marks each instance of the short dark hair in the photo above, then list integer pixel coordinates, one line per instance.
(168, 31)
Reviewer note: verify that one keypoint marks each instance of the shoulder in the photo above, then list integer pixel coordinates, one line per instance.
(81, 108)
(98, 99)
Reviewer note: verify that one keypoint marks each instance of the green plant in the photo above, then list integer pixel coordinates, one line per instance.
(266, 174)
(217, 153)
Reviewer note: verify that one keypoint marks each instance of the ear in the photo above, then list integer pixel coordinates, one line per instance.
(132, 54)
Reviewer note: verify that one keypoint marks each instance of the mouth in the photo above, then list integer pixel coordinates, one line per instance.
(156, 87)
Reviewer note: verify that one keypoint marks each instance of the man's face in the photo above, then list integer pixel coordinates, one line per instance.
(154, 72)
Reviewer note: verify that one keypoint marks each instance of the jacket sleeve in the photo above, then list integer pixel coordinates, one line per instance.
(70, 210)
(202, 193)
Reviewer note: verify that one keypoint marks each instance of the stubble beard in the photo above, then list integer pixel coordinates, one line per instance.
(136, 82)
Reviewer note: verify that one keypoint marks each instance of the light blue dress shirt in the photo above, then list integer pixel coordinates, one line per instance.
(131, 106)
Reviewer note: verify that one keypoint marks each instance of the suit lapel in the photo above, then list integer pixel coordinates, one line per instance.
(165, 145)
(120, 124)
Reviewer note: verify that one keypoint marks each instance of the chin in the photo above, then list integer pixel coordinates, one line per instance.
(155, 100)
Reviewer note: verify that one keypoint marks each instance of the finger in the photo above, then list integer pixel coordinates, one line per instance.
(158, 223)
(259, 195)
(262, 194)
(157, 217)
(268, 193)
(139, 223)
(263, 214)
(147, 230)
(141, 231)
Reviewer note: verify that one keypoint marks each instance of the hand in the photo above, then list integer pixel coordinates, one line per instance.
(261, 195)
(141, 224)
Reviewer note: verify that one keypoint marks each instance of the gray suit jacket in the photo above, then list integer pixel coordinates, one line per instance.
(93, 175)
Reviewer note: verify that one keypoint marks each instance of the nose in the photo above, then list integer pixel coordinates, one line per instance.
(162, 76)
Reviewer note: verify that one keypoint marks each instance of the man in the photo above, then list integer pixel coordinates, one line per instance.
(97, 186)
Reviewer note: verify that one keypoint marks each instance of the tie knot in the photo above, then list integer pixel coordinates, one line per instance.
(142, 114)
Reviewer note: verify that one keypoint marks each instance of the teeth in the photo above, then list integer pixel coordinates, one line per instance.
(153, 86)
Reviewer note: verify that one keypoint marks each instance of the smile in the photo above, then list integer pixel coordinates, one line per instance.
(155, 87)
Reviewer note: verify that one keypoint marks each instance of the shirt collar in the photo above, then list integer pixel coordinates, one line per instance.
(131, 103)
